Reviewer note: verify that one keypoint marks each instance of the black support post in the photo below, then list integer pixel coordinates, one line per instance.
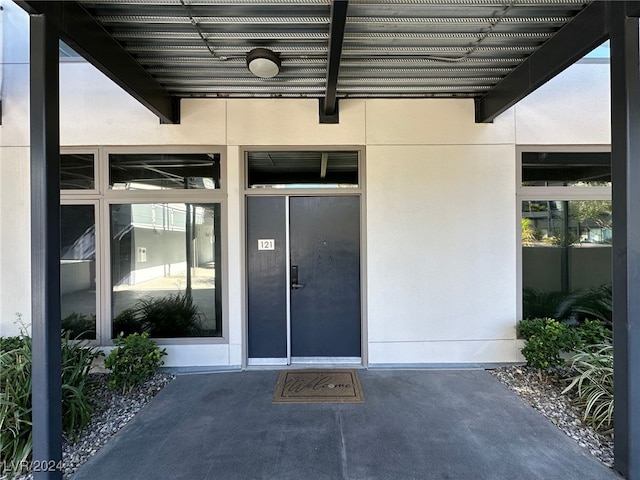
(45, 250)
(566, 245)
(625, 159)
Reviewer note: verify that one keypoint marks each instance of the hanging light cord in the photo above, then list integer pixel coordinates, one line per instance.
(187, 8)
(492, 27)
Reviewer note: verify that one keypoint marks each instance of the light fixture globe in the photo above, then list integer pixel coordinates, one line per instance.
(263, 63)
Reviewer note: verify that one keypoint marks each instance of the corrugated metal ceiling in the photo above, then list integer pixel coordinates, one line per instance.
(397, 48)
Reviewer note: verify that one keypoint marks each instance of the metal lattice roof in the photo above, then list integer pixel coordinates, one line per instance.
(328, 49)
(391, 48)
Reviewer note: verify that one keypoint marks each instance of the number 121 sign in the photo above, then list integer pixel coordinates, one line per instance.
(266, 244)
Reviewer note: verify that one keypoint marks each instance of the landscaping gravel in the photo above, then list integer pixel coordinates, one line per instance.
(545, 395)
(113, 409)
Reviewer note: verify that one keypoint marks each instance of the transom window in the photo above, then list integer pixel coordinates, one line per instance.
(567, 169)
(182, 171)
(77, 171)
(308, 169)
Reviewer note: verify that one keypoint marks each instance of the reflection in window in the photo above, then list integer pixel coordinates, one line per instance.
(77, 171)
(165, 269)
(566, 246)
(164, 171)
(78, 270)
(573, 169)
(311, 169)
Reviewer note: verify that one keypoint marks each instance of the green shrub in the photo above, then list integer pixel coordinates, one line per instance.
(79, 326)
(592, 332)
(11, 343)
(530, 326)
(546, 339)
(15, 394)
(77, 360)
(594, 385)
(15, 402)
(135, 358)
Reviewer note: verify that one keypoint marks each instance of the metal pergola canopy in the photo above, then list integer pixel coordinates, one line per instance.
(493, 51)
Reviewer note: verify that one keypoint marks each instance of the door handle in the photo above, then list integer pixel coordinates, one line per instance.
(295, 285)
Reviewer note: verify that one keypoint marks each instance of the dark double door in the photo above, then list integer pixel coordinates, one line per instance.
(303, 258)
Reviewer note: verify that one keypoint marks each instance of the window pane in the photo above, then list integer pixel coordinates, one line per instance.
(303, 169)
(165, 269)
(78, 270)
(566, 247)
(77, 171)
(573, 169)
(164, 171)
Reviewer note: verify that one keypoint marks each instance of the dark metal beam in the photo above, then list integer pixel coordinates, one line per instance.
(45, 249)
(85, 35)
(625, 170)
(584, 33)
(633, 9)
(338, 19)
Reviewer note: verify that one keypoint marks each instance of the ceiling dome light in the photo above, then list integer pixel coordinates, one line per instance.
(263, 63)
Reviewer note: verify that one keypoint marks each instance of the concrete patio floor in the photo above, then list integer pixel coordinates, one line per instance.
(414, 424)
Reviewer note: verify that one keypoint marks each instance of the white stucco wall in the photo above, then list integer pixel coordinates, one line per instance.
(440, 217)
(15, 254)
(441, 247)
(440, 208)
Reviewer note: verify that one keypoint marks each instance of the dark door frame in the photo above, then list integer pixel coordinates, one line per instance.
(287, 194)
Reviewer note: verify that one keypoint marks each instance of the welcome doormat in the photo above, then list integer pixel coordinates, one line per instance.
(318, 386)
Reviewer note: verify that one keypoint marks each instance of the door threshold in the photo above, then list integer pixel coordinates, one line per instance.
(315, 361)
(305, 362)
(267, 362)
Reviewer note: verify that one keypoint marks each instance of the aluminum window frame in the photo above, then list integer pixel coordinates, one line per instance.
(102, 197)
(541, 193)
(220, 196)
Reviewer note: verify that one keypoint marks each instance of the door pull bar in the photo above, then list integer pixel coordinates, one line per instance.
(294, 278)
